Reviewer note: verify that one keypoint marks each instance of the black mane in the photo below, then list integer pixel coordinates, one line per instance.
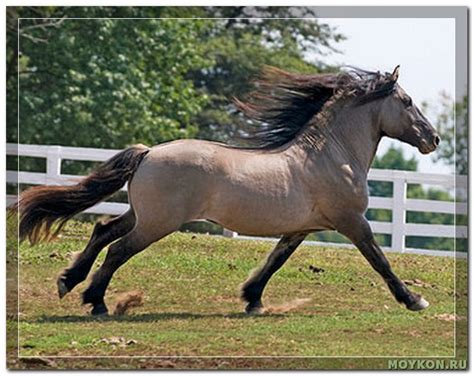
(282, 102)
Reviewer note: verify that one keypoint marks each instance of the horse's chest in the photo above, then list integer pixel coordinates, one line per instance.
(344, 190)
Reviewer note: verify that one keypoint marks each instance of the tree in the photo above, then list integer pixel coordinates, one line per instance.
(128, 86)
(122, 81)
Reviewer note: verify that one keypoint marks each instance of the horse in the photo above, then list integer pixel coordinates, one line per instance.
(311, 141)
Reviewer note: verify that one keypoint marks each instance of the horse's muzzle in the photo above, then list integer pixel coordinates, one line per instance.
(427, 147)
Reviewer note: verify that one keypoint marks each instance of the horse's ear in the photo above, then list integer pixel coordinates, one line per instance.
(395, 73)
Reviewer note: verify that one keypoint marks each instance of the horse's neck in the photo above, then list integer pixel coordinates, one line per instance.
(349, 134)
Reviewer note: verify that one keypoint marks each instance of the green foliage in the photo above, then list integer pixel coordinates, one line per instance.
(108, 83)
(113, 82)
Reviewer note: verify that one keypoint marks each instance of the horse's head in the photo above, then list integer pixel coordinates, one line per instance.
(403, 120)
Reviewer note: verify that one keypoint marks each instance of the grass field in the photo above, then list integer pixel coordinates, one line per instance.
(192, 316)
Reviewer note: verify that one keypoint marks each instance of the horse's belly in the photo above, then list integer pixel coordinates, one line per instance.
(259, 216)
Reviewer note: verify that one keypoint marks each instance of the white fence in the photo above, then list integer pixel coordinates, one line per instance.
(399, 204)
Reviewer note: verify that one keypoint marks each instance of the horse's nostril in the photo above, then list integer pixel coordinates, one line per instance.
(437, 140)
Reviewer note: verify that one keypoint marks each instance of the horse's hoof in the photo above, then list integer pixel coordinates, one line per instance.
(419, 305)
(254, 309)
(62, 288)
(99, 310)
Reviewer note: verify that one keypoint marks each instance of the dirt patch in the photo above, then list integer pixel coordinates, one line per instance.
(449, 317)
(128, 300)
(116, 342)
(286, 307)
(418, 282)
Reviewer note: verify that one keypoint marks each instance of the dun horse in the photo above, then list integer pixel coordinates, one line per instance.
(314, 138)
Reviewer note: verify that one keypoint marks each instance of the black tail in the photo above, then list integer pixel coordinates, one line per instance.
(39, 208)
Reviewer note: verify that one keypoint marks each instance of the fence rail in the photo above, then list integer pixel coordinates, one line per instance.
(399, 204)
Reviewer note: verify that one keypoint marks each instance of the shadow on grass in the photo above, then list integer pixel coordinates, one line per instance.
(152, 317)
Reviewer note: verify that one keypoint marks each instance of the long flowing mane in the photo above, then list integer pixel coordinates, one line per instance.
(283, 103)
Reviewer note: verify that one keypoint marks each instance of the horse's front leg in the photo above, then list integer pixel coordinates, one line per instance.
(358, 230)
(252, 289)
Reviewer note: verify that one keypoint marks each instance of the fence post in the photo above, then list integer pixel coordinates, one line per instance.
(229, 233)
(53, 164)
(399, 214)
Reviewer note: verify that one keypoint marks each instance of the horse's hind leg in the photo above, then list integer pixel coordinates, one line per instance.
(118, 254)
(103, 234)
(252, 289)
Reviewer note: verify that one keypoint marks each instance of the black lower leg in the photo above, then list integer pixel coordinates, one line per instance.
(356, 227)
(252, 289)
(94, 295)
(379, 262)
(95, 292)
(102, 235)
(118, 254)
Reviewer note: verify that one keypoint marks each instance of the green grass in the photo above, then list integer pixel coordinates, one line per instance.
(192, 307)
